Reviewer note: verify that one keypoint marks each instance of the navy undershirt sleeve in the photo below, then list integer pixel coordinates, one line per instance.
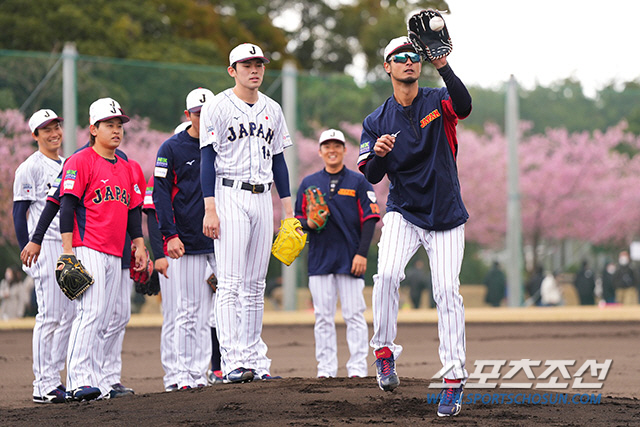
(374, 169)
(281, 175)
(460, 97)
(134, 223)
(20, 209)
(68, 204)
(48, 214)
(208, 171)
(155, 237)
(366, 236)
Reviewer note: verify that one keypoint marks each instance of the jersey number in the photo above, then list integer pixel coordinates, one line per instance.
(266, 153)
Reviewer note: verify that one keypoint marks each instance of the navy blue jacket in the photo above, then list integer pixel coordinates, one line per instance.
(177, 194)
(421, 167)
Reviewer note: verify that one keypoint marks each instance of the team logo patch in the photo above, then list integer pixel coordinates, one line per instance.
(429, 118)
(148, 199)
(68, 184)
(148, 191)
(160, 172)
(70, 174)
(56, 183)
(347, 192)
(136, 189)
(364, 147)
(162, 162)
(372, 196)
(27, 188)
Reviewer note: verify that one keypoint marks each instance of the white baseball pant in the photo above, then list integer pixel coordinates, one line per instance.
(114, 336)
(193, 335)
(53, 321)
(324, 293)
(242, 252)
(168, 346)
(400, 240)
(94, 309)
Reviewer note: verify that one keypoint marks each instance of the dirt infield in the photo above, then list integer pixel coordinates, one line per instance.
(302, 400)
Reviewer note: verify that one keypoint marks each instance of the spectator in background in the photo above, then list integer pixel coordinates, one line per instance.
(15, 294)
(496, 283)
(625, 280)
(533, 285)
(608, 290)
(550, 292)
(418, 280)
(585, 284)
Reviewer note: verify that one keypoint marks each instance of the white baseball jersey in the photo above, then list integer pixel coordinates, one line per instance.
(33, 180)
(35, 177)
(245, 138)
(399, 241)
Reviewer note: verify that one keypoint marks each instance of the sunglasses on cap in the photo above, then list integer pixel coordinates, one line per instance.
(402, 57)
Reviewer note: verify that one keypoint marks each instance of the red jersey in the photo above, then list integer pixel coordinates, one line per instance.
(106, 190)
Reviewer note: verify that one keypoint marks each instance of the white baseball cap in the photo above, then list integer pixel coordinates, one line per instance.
(331, 135)
(197, 98)
(246, 51)
(105, 109)
(397, 44)
(41, 118)
(182, 126)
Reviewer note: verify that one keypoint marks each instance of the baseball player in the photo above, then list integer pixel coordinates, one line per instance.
(177, 196)
(33, 180)
(242, 142)
(338, 255)
(112, 357)
(411, 138)
(168, 290)
(99, 204)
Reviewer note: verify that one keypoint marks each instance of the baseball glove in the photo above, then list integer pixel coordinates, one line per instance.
(152, 287)
(213, 282)
(428, 43)
(141, 278)
(317, 209)
(72, 277)
(289, 242)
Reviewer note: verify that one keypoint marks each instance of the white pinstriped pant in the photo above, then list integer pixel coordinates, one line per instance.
(114, 336)
(242, 251)
(53, 321)
(168, 347)
(192, 333)
(324, 292)
(94, 309)
(400, 240)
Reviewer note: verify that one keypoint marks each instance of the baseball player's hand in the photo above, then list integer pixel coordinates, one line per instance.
(358, 265)
(30, 254)
(162, 266)
(175, 248)
(439, 63)
(384, 145)
(211, 225)
(142, 258)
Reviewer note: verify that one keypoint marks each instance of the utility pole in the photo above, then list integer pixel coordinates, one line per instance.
(514, 220)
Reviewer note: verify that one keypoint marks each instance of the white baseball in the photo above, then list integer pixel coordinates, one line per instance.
(436, 23)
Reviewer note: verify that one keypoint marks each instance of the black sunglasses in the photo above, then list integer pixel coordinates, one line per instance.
(402, 57)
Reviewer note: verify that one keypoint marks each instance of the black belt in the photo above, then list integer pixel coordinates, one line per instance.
(254, 188)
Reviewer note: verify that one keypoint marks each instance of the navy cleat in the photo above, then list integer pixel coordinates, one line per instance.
(386, 370)
(118, 390)
(450, 400)
(54, 396)
(239, 375)
(85, 393)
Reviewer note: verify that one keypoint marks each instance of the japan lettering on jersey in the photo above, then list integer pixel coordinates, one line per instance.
(244, 137)
(106, 192)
